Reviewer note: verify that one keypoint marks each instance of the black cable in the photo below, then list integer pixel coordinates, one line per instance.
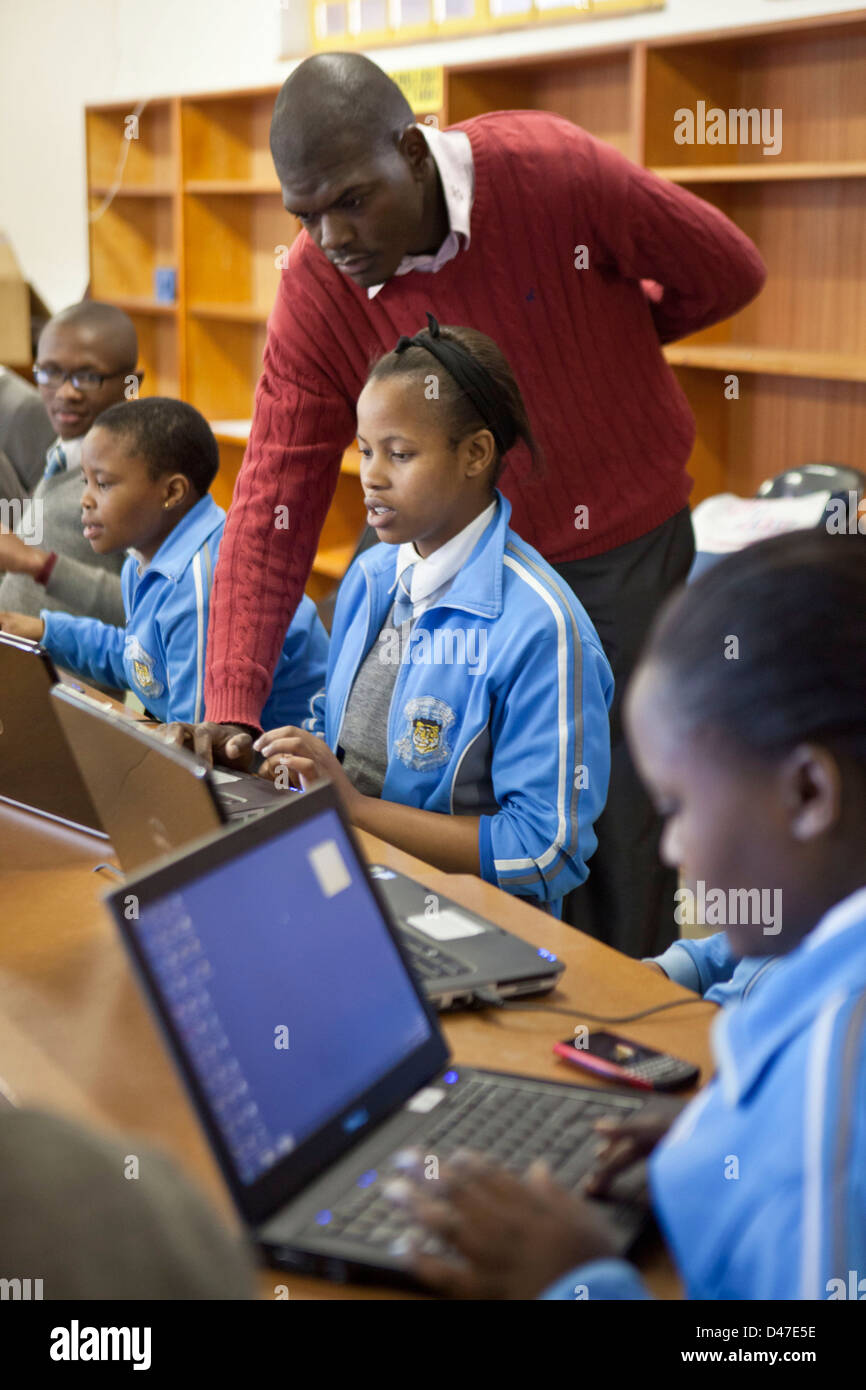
(584, 1013)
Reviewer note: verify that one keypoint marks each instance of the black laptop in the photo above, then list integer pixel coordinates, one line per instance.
(311, 1054)
(37, 770)
(154, 798)
(462, 958)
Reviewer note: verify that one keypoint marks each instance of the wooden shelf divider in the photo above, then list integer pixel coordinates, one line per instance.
(232, 187)
(140, 304)
(239, 313)
(735, 357)
(766, 172)
(100, 190)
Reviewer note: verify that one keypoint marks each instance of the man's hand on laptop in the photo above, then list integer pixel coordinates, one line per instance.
(230, 745)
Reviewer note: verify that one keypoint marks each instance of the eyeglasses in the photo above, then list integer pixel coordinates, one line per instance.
(82, 380)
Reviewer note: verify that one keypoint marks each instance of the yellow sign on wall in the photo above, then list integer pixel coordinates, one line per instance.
(423, 88)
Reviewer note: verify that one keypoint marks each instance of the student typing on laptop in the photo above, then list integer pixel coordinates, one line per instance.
(147, 467)
(313, 1058)
(759, 767)
(465, 718)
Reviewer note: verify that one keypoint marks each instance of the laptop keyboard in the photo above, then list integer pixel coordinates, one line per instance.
(509, 1124)
(429, 962)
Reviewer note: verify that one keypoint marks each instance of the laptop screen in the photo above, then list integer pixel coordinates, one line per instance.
(37, 769)
(284, 987)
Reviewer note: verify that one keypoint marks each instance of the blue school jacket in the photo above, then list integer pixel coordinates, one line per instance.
(160, 654)
(710, 968)
(500, 710)
(760, 1186)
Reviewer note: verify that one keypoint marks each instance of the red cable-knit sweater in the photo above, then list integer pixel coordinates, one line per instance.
(584, 344)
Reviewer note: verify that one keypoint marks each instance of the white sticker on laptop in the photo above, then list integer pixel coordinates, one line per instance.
(219, 775)
(447, 925)
(425, 1100)
(330, 868)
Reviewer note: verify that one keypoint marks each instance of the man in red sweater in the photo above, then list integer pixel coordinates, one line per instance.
(579, 264)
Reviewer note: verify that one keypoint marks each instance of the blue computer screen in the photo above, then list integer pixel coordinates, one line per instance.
(285, 987)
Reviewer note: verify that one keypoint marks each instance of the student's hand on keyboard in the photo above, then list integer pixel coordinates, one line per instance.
(509, 1236)
(624, 1143)
(304, 758)
(19, 625)
(226, 744)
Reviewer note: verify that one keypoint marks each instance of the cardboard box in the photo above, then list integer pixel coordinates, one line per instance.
(15, 348)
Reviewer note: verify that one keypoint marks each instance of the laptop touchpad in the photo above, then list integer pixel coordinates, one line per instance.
(447, 925)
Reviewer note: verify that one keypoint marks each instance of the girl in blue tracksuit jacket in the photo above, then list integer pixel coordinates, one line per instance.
(147, 467)
(759, 767)
(465, 716)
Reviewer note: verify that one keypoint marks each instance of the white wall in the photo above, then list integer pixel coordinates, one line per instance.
(57, 56)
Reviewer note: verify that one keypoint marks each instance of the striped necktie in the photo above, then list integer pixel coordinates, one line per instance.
(56, 460)
(403, 604)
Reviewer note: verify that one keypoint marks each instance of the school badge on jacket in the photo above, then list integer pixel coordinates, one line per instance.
(142, 667)
(424, 742)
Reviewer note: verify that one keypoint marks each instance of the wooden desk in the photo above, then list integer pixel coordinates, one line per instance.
(76, 1036)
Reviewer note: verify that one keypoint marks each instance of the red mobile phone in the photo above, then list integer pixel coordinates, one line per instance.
(616, 1058)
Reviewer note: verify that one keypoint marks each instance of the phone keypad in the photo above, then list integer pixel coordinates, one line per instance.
(658, 1068)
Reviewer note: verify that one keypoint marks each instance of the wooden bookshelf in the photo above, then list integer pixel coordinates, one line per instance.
(800, 348)
(133, 200)
(799, 351)
(199, 193)
(594, 90)
(130, 239)
(196, 191)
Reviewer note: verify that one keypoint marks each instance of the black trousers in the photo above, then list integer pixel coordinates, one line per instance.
(628, 900)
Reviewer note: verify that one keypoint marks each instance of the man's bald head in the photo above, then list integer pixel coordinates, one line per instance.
(354, 168)
(334, 102)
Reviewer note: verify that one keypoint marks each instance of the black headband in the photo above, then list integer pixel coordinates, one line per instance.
(472, 378)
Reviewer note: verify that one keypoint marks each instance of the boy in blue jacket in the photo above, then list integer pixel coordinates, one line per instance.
(147, 467)
(465, 716)
(759, 767)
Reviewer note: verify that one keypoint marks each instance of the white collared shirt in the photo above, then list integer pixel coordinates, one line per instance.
(71, 450)
(432, 576)
(452, 154)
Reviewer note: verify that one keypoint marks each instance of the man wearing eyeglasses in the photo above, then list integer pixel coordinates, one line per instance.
(86, 361)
